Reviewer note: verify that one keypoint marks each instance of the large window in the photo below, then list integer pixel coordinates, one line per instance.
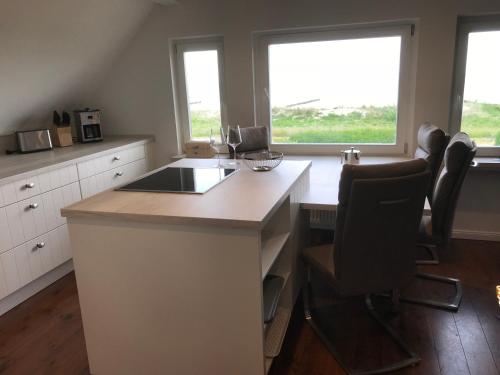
(200, 88)
(342, 87)
(476, 99)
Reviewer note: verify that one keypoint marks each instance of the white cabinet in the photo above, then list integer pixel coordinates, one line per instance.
(15, 224)
(55, 200)
(32, 217)
(34, 238)
(112, 178)
(33, 259)
(113, 160)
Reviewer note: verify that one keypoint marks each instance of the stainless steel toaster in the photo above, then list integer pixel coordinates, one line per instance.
(33, 140)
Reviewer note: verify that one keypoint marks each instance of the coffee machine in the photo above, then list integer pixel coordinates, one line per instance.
(88, 125)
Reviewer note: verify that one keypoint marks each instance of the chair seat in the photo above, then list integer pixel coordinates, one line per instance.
(321, 258)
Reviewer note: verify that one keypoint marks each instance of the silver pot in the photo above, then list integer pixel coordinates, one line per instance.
(350, 156)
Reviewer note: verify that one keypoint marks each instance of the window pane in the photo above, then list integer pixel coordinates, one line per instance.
(481, 106)
(203, 95)
(338, 91)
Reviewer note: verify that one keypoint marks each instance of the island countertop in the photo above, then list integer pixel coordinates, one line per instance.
(245, 200)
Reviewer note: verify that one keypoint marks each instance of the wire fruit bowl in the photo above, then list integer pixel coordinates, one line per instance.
(262, 161)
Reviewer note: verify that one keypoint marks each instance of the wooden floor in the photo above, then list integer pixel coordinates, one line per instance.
(44, 335)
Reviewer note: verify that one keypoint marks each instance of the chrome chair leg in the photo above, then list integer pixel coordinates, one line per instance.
(431, 249)
(412, 360)
(450, 306)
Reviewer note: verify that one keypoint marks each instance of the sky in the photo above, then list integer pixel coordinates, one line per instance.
(482, 75)
(343, 73)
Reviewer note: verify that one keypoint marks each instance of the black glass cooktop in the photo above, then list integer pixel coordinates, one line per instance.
(180, 180)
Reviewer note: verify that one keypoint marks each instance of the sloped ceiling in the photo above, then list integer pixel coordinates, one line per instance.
(53, 53)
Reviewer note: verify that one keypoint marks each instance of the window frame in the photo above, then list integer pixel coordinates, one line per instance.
(466, 25)
(179, 47)
(405, 30)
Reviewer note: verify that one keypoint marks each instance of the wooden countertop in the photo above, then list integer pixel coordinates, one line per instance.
(324, 180)
(16, 164)
(245, 200)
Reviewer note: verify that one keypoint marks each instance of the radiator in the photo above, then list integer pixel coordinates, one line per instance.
(322, 219)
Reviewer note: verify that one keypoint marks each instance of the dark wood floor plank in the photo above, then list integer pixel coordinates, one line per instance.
(44, 335)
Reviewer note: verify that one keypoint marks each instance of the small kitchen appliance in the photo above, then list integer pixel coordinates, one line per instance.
(350, 156)
(88, 125)
(33, 140)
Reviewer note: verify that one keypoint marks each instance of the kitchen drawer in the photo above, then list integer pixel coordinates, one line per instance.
(26, 188)
(112, 178)
(55, 200)
(26, 220)
(33, 259)
(110, 161)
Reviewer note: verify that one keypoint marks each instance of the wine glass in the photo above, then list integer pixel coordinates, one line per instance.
(215, 146)
(234, 139)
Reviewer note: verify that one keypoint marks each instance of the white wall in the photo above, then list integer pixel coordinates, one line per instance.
(53, 53)
(137, 96)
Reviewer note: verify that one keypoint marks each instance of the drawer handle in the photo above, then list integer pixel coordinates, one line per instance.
(119, 174)
(31, 185)
(33, 206)
(39, 245)
(116, 158)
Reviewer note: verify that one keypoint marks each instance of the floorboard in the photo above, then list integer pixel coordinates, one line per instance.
(44, 335)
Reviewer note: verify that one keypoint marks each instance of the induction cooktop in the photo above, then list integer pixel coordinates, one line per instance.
(180, 180)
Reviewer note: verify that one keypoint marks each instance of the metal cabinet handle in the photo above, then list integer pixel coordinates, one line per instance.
(39, 245)
(33, 205)
(30, 185)
(119, 174)
(116, 158)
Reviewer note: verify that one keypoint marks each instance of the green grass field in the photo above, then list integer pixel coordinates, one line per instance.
(362, 125)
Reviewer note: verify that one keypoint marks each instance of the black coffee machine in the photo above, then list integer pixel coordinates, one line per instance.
(88, 125)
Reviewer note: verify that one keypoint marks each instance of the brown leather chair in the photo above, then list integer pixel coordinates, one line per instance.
(435, 230)
(379, 210)
(254, 138)
(432, 143)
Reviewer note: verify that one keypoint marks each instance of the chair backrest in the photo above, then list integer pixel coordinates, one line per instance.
(379, 210)
(432, 142)
(457, 160)
(254, 138)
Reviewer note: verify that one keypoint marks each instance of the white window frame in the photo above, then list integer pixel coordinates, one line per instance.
(179, 47)
(405, 106)
(466, 25)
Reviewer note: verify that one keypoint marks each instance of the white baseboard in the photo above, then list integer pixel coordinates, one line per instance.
(476, 235)
(34, 287)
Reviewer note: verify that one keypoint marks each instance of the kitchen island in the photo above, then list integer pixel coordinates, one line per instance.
(172, 283)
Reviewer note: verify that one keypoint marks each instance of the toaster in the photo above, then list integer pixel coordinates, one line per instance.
(33, 140)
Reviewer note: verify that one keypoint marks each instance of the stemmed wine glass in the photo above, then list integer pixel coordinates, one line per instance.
(216, 146)
(234, 139)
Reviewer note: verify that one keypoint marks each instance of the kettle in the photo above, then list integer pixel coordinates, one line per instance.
(350, 156)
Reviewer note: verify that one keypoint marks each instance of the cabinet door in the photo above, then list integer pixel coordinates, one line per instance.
(3, 283)
(5, 238)
(27, 188)
(8, 193)
(15, 224)
(22, 255)
(34, 258)
(47, 249)
(66, 252)
(8, 262)
(32, 217)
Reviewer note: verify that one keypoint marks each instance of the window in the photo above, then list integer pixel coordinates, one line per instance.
(476, 94)
(199, 88)
(335, 88)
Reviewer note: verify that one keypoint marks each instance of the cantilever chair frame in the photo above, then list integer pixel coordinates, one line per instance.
(342, 281)
(431, 247)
